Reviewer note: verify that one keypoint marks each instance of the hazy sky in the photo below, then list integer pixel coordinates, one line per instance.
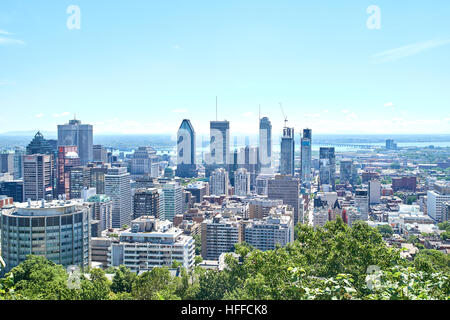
(141, 66)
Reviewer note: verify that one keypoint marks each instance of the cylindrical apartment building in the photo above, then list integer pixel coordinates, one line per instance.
(58, 230)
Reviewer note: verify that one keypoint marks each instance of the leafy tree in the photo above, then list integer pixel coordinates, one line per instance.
(385, 230)
(97, 288)
(198, 244)
(38, 278)
(432, 261)
(123, 280)
(154, 285)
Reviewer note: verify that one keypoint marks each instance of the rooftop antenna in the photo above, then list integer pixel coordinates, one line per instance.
(259, 112)
(216, 108)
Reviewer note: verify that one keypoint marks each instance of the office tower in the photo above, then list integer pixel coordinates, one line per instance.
(220, 138)
(346, 171)
(219, 235)
(390, 144)
(374, 192)
(327, 167)
(39, 145)
(362, 203)
(287, 163)
(241, 182)
(137, 246)
(118, 188)
(97, 176)
(306, 156)
(286, 188)
(13, 189)
(142, 161)
(7, 162)
(249, 160)
(67, 159)
(173, 200)
(186, 162)
(102, 211)
(269, 232)
(76, 134)
(37, 177)
(262, 182)
(265, 142)
(100, 154)
(436, 200)
(198, 190)
(57, 230)
(18, 158)
(79, 181)
(219, 182)
(146, 203)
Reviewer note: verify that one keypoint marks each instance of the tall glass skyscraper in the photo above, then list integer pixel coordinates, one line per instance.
(186, 164)
(306, 156)
(287, 152)
(118, 188)
(76, 134)
(327, 167)
(220, 130)
(265, 142)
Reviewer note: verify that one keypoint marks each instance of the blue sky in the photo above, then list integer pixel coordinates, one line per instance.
(142, 66)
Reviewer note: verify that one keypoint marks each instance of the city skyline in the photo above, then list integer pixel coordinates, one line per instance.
(329, 70)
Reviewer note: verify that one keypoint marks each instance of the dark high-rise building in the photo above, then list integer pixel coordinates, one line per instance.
(39, 145)
(146, 203)
(306, 156)
(346, 171)
(327, 167)
(287, 163)
(76, 134)
(37, 177)
(13, 189)
(286, 188)
(18, 158)
(220, 130)
(67, 159)
(390, 144)
(198, 191)
(265, 142)
(7, 162)
(186, 164)
(79, 180)
(97, 176)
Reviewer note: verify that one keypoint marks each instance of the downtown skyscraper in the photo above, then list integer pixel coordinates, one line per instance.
(265, 142)
(306, 143)
(287, 163)
(118, 188)
(327, 167)
(76, 134)
(37, 177)
(186, 164)
(220, 142)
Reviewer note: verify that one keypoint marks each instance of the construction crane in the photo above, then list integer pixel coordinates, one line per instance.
(284, 116)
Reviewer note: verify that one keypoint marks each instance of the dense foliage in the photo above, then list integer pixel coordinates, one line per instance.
(333, 262)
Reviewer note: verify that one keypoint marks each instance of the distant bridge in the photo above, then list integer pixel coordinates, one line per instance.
(347, 145)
